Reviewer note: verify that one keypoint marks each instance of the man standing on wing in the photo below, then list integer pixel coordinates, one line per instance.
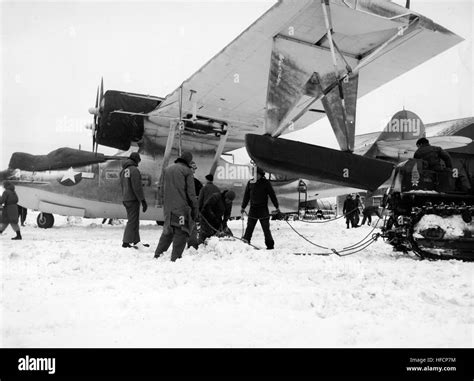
(257, 193)
(132, 192)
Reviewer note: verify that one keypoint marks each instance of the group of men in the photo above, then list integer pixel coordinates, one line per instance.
(352, 209)
(186, 202)
(433, 158)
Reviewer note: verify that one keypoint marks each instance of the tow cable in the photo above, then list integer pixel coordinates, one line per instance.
(220, 232)
(346, 251)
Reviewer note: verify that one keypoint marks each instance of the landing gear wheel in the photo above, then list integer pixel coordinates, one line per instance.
(45, 220)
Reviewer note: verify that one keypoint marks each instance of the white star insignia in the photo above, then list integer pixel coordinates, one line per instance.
(70, 175)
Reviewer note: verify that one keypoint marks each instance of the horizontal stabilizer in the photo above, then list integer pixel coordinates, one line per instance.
(312, 162)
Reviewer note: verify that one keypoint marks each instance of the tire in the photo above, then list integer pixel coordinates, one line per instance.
(160, 223)
(45, 220)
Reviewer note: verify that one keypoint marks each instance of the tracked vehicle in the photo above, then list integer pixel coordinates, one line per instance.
(431, 212)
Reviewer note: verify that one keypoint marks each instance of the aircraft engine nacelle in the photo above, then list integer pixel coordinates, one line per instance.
(119, 121)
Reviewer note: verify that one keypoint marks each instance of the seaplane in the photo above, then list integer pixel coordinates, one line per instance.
(299, 62)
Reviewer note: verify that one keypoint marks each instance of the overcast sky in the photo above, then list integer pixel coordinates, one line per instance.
(53, 55)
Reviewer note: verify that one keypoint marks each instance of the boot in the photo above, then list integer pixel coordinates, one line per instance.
(18, 235)
(144, 244)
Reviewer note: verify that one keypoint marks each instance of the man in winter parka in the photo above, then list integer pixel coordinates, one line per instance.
(216, 212)
(257, 193)
(9, 200)
(207, 191)
(132, 193)
(179, 206)
(349, 209)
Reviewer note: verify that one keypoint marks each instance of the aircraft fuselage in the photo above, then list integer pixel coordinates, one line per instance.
(94, 191)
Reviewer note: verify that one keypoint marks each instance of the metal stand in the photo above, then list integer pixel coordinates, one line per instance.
(166, 159)
(302, 189)
(219, 150)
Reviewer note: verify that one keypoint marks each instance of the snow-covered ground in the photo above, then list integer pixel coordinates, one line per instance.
(74, 286)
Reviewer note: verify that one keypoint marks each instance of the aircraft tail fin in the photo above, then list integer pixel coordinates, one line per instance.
(399, 137)
(404, 125)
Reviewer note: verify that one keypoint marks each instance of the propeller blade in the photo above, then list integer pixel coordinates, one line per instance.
(95, 118)
(96, 107)
(100, 97)
(101, 91)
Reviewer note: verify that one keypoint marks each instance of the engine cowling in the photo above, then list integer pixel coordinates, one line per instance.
(118, 124)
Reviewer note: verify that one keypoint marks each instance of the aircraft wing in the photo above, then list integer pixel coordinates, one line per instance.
(405, 149)
(265, 78)
(449, 127)
(457, 134)
(452, 135)
(456, 128)
(365, 141)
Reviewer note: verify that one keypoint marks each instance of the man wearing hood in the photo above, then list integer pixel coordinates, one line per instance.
(9, 200)
(179, 206)
(132, 192)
